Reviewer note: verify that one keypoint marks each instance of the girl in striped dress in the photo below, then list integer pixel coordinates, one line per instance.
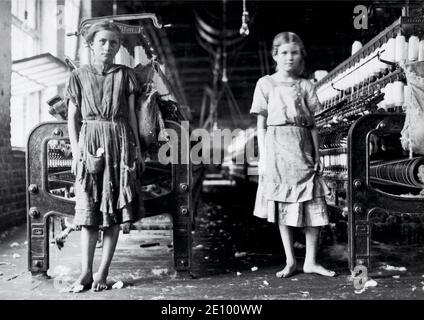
(106, 151)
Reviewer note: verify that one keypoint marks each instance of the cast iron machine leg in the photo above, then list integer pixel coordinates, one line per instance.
(363, 198)
(39, 200)
(183, 191)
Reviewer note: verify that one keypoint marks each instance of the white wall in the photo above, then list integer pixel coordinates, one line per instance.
(5, 73)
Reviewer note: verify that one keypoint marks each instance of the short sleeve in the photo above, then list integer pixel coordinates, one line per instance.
(133, 87)
(311, 97)
(260, 100)
(73, 90)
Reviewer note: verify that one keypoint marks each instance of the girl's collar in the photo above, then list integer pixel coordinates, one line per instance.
(291, 82)
(109, 69)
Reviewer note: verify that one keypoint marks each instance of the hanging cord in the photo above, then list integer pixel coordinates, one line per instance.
(244, 29)
(224, 43)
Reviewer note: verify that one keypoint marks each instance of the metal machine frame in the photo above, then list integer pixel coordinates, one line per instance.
(41, 205)
(363, 199)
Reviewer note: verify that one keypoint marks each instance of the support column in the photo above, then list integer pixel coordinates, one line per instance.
(12, 188)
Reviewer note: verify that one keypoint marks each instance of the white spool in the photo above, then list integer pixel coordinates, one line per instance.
(390, 52)
(356, 46)
(319, 74)
(398, 93)
(388, 96)
(421, 51)
(400, 48)
(413, 48)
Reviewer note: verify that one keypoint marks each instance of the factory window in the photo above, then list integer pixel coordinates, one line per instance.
(72, 19)
(25, 43)
(25, 28)
(37, 74)
(26, 11)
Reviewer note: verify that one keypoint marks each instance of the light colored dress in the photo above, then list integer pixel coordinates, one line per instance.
(289, 192)
(107, 188)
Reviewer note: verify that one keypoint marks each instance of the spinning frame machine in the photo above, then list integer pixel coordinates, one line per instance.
(360, 124)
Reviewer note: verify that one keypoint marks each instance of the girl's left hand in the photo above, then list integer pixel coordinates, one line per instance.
(318, 168)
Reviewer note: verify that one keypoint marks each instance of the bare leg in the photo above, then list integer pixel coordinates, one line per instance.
(287, 238)
(110, 238)
(88, 246)
(310, 265)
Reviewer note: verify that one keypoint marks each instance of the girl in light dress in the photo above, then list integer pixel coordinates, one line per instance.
(291, 191)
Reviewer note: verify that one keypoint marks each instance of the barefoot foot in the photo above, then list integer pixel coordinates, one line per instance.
(99, 282)
(288, 271)
(83, 283)
(126, 227)
(318, 269)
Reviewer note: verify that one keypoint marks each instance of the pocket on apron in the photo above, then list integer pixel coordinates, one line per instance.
(94, 164)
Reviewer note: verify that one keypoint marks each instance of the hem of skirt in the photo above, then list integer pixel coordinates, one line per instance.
(295, 199)
(284, 193)
(81, 219)
(260, 215)
(270, 220)
(264, 212)
(304, 225)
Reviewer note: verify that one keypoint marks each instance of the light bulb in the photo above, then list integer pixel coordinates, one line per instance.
(224, 76)
(244, 29)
